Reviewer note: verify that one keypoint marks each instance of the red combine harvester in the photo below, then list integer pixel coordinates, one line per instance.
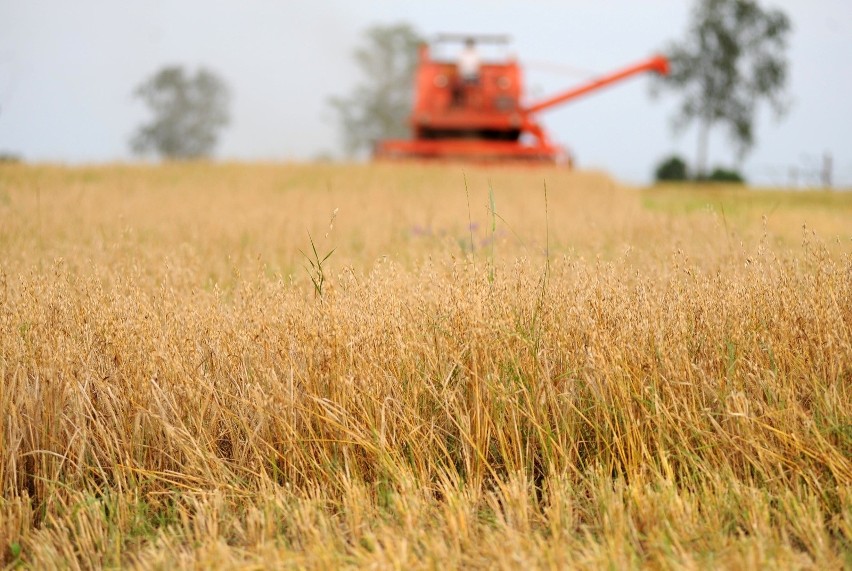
(486, 121)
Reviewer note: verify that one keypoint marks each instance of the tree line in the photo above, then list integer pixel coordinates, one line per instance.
(731, 61)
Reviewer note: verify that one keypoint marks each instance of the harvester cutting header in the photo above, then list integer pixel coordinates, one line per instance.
(459, 115)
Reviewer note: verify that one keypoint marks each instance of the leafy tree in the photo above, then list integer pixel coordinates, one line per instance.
(379, 107)
(731, 60)
(672, 169)
(188, 112)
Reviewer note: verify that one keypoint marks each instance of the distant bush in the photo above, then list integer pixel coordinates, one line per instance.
(673, 168)
(725, 175)
(10, 157)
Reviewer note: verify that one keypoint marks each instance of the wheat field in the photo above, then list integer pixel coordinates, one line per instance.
(420, 367)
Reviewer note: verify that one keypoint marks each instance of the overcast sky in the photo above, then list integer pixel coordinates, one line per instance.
(67, 71)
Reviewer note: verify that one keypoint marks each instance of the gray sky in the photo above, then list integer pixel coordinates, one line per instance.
(67, 71)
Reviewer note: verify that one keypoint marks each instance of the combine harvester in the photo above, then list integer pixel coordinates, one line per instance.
(486, 121)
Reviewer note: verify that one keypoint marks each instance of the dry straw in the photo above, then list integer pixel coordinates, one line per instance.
(675, 393)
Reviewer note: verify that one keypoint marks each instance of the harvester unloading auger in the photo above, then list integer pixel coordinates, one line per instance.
(487, 120)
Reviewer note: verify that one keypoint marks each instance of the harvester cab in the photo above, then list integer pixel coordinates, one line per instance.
(485, 119)
(443, 88)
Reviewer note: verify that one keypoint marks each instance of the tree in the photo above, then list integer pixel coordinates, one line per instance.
(672, 169)
(189, 110)
(733, 57)
(379, 107)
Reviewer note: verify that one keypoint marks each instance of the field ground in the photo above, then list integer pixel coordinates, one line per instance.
(493, 368)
